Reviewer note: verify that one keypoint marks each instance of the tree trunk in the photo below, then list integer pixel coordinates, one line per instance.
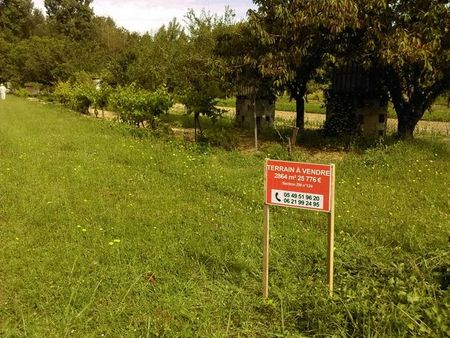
(195, 128)
(407, 122)
(300, 113)
(197, 123)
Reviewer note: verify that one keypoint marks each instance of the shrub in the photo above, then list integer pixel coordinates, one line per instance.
(79, 95)
(63, 92)
(82, 97)
(221, 137)
(101, 97)
(341, 121)
(22, 92)
(137, 106)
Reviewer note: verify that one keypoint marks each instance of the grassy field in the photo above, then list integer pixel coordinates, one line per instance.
(111, 232)
(439, 111)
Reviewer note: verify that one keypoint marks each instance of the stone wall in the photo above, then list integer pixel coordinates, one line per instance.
(245, 112)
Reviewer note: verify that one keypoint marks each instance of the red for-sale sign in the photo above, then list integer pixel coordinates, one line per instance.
(299, 185)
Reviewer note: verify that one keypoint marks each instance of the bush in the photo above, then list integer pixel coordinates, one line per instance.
(341, 121)
(221, 137)
(79, 94)
(101, 97)
(137, 106)
(63, 92)
(22, 92)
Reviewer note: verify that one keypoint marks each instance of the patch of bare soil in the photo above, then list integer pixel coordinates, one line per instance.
(104, 114)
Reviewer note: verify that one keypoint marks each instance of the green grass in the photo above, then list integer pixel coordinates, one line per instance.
(439, 111)
(89, 208)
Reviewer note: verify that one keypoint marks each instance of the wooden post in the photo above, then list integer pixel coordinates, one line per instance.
(255, 121)
(294, 136)
(330, 264)
(266, 253)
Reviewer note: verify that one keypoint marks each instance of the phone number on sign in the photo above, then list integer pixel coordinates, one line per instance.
(297, 199)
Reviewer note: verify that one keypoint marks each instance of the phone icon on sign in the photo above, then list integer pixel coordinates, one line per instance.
(277, 198)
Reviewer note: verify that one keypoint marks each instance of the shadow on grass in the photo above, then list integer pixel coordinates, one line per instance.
(223, 133)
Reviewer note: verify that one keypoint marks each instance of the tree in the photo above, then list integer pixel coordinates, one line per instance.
(5, 47)
(414, 39)
(406, 40)
(296, 35)
(239, 48)
(200, 71)
(408, 44)
(39, 59)
(157, 58)
(16, 18)
(71, 18)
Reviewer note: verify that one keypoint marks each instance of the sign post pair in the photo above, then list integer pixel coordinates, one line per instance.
(304, 186)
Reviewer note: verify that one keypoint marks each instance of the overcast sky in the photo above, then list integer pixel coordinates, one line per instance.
(149, 15)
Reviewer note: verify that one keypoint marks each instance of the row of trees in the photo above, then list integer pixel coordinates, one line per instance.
(283, 45)
(70, 39)
(406, 41)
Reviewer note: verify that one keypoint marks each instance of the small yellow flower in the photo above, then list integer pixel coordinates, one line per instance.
(117, 241)
(111, 243)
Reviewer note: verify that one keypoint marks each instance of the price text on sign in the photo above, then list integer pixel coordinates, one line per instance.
(298, 185)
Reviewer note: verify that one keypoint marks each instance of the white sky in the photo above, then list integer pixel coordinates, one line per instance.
(148, 15)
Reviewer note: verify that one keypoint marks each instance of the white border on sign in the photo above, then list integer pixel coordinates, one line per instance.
(331, 166)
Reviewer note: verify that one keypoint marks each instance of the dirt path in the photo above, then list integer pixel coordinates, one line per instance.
(107, 115)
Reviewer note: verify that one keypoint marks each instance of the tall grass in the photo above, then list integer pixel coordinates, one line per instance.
(109, 232)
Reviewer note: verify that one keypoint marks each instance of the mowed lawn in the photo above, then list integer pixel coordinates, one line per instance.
(107, 232)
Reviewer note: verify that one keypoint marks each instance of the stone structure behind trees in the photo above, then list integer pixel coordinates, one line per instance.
(356, 102)
(251, 101)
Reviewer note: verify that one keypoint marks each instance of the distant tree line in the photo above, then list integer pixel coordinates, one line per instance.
(283, 44)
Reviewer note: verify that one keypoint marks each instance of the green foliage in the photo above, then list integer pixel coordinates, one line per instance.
(276, 151)
(101, 97)
(38, 59)
(341, 120)
(71, 18)
(200, 71)
(149, 68)
(83, 97)
(16, 19)
(407, 41)
(201, 102)
(413, 49)
(63, 92)
(224, 138)
(79, 94)
(296, 38)
(137, 106)
(21, 92)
